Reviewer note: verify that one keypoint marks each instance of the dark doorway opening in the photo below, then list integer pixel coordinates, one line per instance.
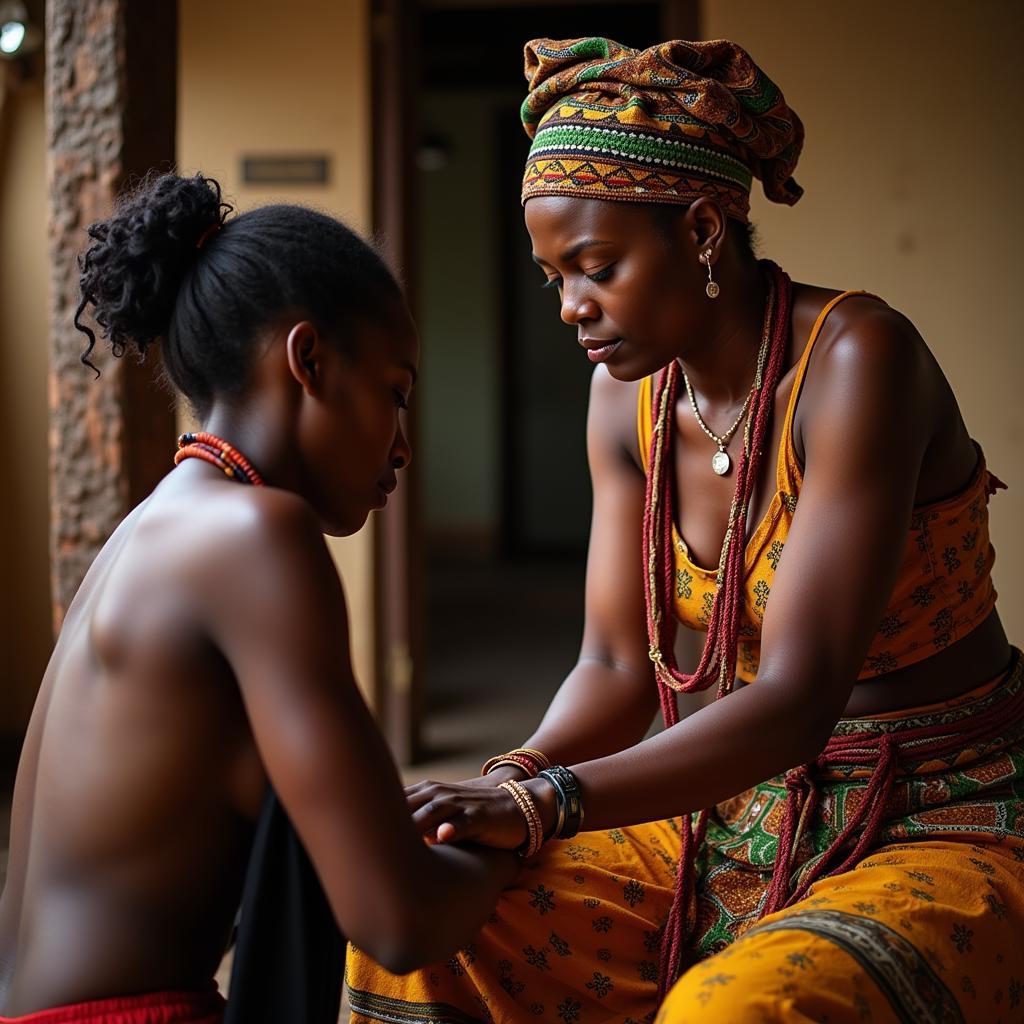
(504, 497)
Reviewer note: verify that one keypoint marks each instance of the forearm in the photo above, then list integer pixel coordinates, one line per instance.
(453, 893)
(721, 750)
(752, 735)
(599, 710)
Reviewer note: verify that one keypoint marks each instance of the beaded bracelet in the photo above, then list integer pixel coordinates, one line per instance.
(510, 761)
(534, 827)
(568, 799)
(531, 761)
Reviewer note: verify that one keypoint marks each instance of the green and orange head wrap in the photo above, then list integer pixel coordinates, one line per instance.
(668, 124)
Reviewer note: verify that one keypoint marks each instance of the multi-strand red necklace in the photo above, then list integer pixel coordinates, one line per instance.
(210, 448)
(718, 660)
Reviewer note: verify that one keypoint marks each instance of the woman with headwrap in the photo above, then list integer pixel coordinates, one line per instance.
(841, 835)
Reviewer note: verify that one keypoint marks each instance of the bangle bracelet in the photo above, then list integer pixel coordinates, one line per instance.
(559, 809)
(539, 759)
(511, 761)
(560, 804)
(534, 828)
(567, 794)
(531, 761)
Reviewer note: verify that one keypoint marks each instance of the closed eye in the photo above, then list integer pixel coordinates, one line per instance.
(597, 275)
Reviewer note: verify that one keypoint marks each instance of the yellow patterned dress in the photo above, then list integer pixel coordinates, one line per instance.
(927, 926)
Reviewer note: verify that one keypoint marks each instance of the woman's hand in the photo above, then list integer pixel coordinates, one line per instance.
(476, 811)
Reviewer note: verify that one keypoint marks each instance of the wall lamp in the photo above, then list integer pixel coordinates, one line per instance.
(19, 37)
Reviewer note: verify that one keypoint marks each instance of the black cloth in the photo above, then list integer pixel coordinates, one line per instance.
(290, 955)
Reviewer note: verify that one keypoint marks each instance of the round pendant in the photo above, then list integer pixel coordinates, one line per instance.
(721, 463)
(712, 289)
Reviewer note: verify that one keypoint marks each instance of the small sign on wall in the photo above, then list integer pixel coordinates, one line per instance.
(285, 170)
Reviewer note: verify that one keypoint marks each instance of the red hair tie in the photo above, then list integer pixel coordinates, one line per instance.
(208, 234)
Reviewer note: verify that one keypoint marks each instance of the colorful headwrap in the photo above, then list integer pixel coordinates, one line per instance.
(664, 125)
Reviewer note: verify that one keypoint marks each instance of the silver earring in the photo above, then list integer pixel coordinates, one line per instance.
(711, 287)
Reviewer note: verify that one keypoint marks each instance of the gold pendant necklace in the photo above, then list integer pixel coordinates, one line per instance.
(720, 461)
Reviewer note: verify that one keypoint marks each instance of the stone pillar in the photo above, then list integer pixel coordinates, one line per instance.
(111, 87)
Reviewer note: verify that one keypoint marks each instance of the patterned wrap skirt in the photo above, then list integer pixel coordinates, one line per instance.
(927, 927)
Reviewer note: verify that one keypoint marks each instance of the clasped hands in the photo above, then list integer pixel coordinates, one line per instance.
(478, 811)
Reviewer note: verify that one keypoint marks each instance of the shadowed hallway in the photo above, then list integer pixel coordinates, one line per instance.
(500, 638)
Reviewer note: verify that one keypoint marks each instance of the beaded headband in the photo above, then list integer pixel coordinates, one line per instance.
(667, 124)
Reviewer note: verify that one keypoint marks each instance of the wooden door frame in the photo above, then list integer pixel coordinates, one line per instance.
(397, 553)
(678, 19)
(398, 550)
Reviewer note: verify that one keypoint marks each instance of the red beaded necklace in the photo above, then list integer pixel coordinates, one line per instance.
(219, 453)
(718, 660)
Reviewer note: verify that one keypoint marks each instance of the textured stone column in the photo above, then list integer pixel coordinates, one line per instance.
(111, 67)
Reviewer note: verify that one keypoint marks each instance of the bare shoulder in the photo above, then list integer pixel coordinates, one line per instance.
(201, 551)
(247, 526)
(261, 513)
(870, 359)
(265, 541)
(208, 553)
(872, 367)
(612, 418)
(272, 518)
(266, 590)
(863, 335)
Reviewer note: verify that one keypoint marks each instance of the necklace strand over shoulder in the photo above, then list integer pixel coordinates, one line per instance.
(720, 461)
(228, 459)
(718, 659)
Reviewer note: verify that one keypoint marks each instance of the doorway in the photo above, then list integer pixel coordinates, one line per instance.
(504, 493)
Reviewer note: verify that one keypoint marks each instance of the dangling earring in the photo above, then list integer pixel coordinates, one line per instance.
(711, 287)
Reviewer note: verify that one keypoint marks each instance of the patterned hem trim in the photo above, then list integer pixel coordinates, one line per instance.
(397, 1011)
(915, 992)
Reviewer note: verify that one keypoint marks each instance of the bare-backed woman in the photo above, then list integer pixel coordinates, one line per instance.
(206, 654)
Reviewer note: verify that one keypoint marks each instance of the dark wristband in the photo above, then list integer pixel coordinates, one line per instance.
(568, 799)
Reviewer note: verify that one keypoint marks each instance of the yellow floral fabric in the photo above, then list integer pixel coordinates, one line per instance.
(944, 587)
(922, 933)
(575, 939)
(925, 928)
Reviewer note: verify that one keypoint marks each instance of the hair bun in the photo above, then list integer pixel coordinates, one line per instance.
(133, 270)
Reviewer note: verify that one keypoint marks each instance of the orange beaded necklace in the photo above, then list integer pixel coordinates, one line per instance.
(219, 453)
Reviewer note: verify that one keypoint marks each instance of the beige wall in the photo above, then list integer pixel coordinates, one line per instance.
(911, 171)
(260, 78)
(25, 637)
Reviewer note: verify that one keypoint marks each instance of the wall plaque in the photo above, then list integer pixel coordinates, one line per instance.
(284, 170)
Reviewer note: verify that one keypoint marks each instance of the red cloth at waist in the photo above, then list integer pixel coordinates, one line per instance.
(151, 1008)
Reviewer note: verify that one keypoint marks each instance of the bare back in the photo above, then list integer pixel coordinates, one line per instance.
(138, 782)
